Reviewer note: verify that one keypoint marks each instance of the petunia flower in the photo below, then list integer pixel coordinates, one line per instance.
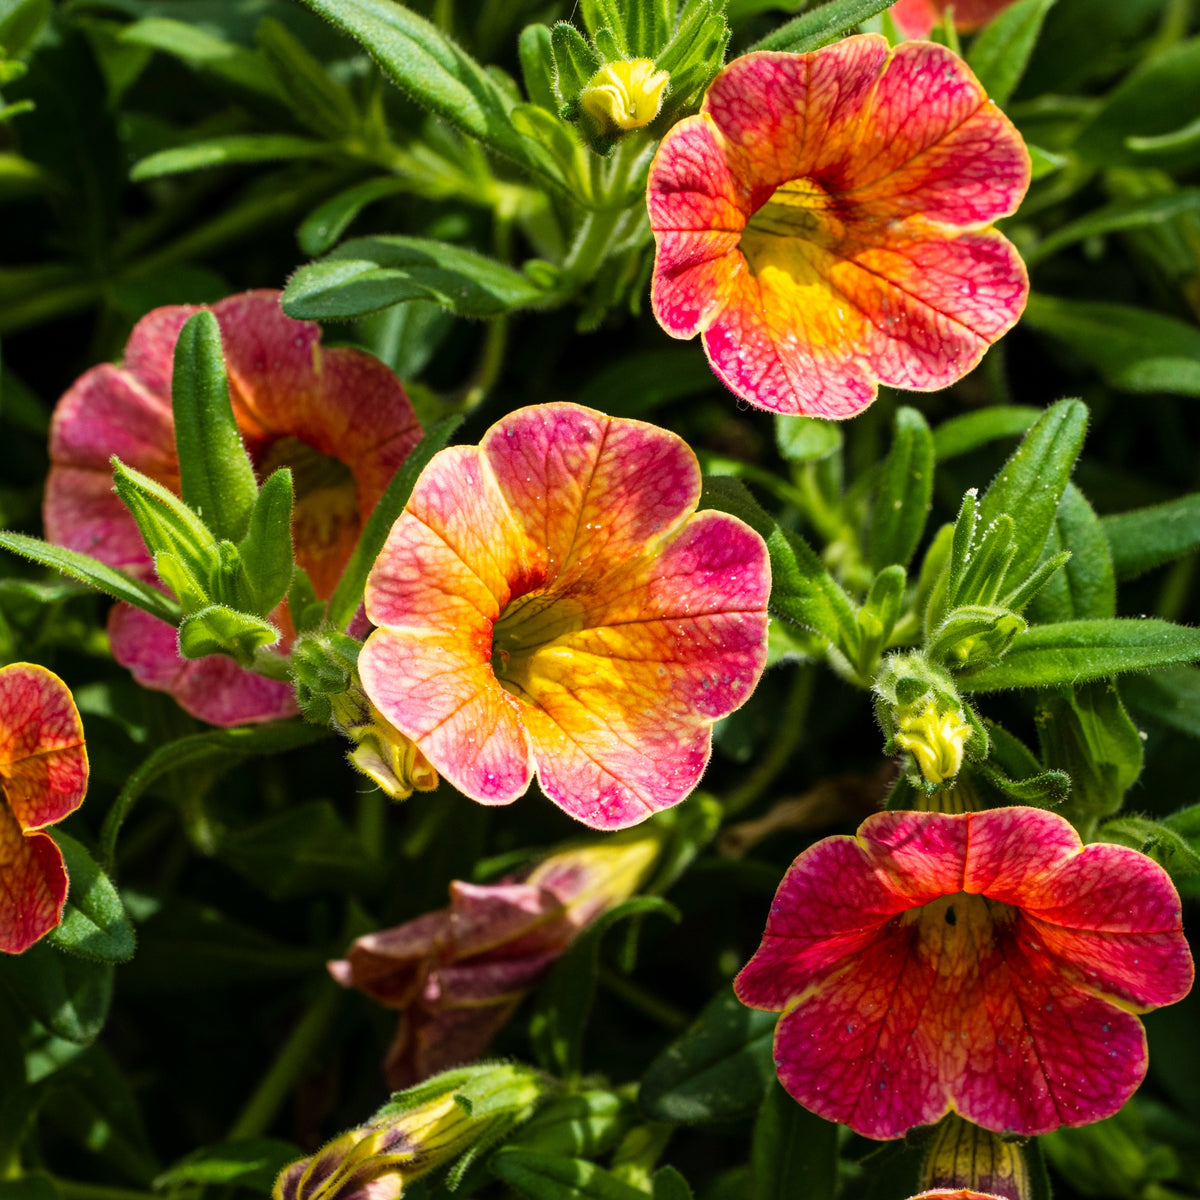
(916, 18)
(824, 223)
(338, 418)
(43, 778)
(985, 963)
(551, 601)
(456, 975)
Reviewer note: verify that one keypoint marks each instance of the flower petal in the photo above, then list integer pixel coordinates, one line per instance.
(33, 885)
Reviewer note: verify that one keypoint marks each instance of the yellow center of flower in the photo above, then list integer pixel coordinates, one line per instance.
(793, 233)
(526, 649)
(955, 931)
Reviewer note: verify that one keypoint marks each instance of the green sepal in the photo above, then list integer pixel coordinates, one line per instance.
(216, 476)
(219, 629)
(305, 610)
(265, 559)
(575, 62)
(608, 43)
(878, 615)
(988, 564)
(692, 58)
(189, 591)
(974, 636)
(904, 493)
(1044, 789)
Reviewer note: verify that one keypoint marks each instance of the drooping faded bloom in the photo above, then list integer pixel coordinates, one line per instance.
(338, 418)
(985, 962)
(916, 18)
(43, 778)
(418, 1132)
(824, 222)
(551, 601)
(457, 975)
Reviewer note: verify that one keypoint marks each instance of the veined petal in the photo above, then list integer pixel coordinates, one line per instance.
(33, 885)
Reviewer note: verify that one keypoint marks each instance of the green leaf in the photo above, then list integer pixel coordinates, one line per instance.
(193, 45)
(95, 574)
(1171, 697)
(347, 596)
(250, 1163)
(367, 274)
(320, 230)
(438, 74)
(960, 435)
(1117, 217)
(304, 850)
(903, 495)
(565, 999)
(230, 150)
(215, 474)
(794, 1151)
(669, 1184)
(718, 1070)
(70, 996)
(1030, 485)
(1086, 732)
(692, 57)
(94, 923)
(807, 439)
(265, 556)
(1133, 349)
(223, 748)
(1044, 162)
(316, 99)
(821, 26)
(1157, 839)
(1085, 587)
(1001, 52)
(219, 629)
(637, 384)
(1148, 537)
(1149, 102)
(551, 1177)
(1078, 651)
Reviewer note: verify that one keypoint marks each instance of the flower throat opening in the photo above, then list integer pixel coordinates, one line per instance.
(524, 635)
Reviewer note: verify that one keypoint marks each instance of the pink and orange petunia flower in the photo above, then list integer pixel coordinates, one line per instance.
(916, 18)
(551, 602)
(456, 975)
(43, 778)
(338, 418)
(824, 223)
(985, 963)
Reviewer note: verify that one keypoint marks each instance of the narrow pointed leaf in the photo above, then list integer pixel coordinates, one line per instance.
(904, 493)
(94, 924)
(1148, 537)
(821, 26)
(1001, 52)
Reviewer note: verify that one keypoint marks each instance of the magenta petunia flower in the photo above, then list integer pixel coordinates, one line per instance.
(551, 601)
(338, 418)
(824, 223)
(916, 18)
(984, 962)
(456, 975)
(43, 778)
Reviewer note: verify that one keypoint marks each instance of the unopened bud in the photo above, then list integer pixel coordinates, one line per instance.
(963, 1156)
(624, 95)
(381, 752)
(935, 737)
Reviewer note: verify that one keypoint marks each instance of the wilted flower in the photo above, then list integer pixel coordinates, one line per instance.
(457, 974)
(985, 962)
(551, 601)
(916, 18)
(415, 1134)
(824, 224)
(43, 778)
(338, 418)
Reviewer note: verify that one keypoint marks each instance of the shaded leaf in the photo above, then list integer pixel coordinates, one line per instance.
(94, 924)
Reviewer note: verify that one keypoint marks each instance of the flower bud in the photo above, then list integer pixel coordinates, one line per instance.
(419, 1131)
(624, 95)
(963, 1156)
(381, 752)
(935, 737)
(457, 974)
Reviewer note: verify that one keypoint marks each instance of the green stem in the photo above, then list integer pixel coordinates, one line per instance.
(791, 730)
(271, 665)
(298, 1051)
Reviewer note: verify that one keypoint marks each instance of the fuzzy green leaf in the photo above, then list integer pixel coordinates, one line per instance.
(226, 151)
(903, 495)
(794, 1151)
(1001, 52)
(821, 26)
(94, 923)
(1148, 537)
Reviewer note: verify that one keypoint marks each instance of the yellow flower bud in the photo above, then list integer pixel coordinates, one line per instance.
(935, 737)
(624, 95)
(381, 752)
